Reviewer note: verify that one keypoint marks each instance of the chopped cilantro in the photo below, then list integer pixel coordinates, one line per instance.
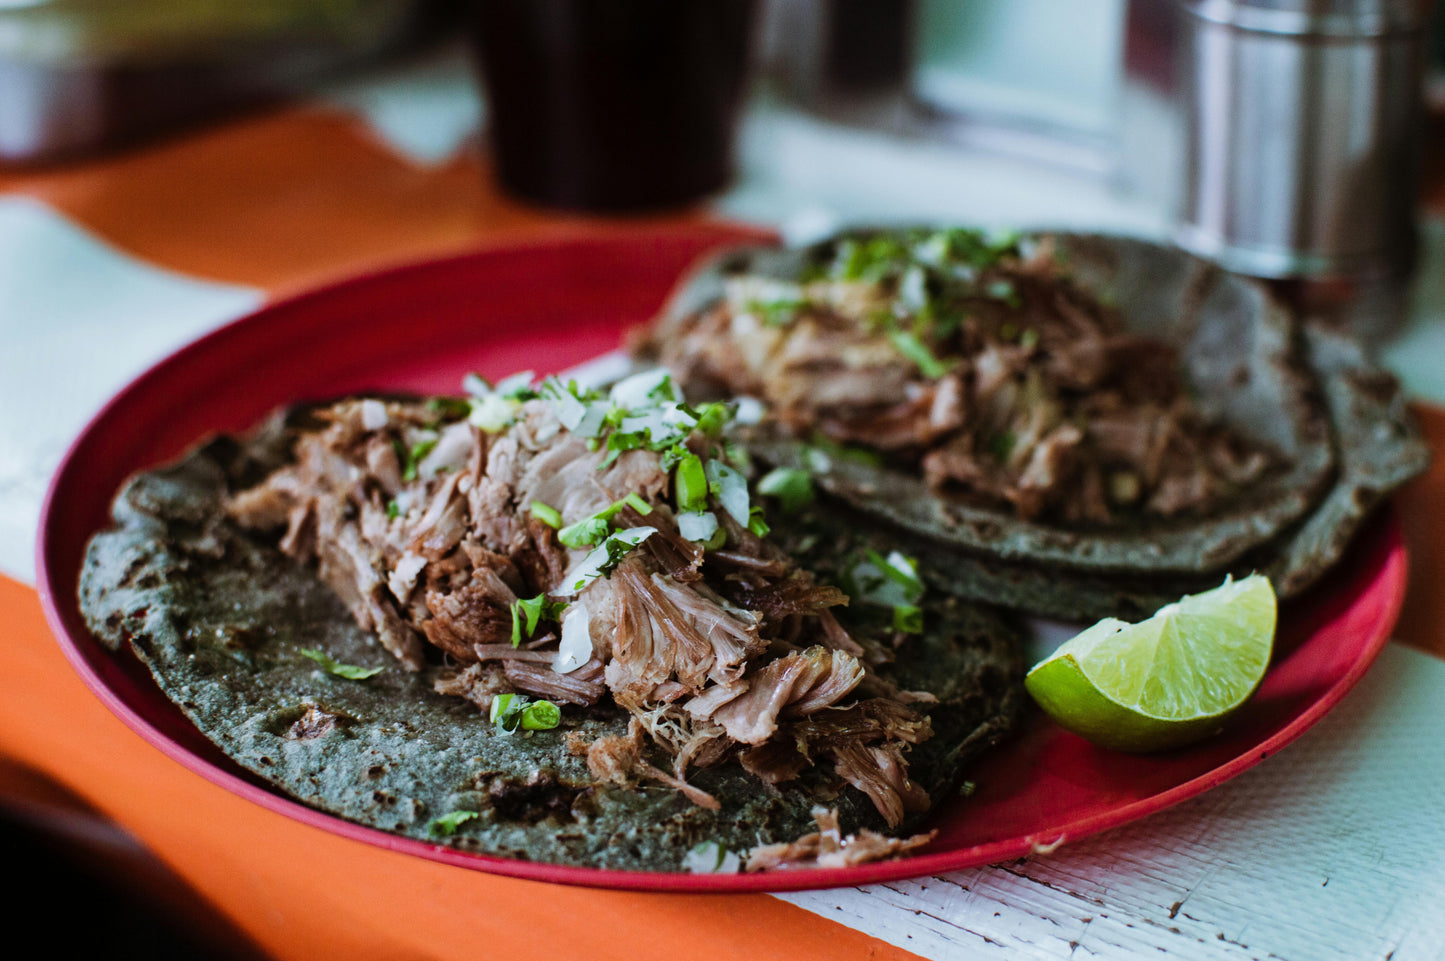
(591, 530)
(349, 671)
(506, 712)
(411, 457)
(528, 613)
(604, 558)
(1029, 339)
(447, 824)
(634, 501)
(393, 509)
(584, 533)
(619, 441)
(712, 418)
(891, 582)
(792, 486)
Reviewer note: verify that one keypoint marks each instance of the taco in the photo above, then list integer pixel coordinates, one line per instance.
(1072, 425)
(543, 623)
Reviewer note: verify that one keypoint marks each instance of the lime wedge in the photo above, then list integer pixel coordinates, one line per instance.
(1167, 681)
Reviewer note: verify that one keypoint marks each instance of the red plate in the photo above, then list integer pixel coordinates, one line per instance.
(547, 307)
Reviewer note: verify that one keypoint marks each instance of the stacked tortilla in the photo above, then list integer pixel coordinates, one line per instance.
(1336, 429)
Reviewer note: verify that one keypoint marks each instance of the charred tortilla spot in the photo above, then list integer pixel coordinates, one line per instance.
(540, 797)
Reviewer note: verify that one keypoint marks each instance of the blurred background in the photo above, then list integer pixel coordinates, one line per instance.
(1280, 137)
(262, 147)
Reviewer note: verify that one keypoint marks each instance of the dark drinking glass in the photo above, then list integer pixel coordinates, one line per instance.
(613, 104)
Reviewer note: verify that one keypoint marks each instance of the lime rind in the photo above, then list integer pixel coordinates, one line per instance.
(1166, 681)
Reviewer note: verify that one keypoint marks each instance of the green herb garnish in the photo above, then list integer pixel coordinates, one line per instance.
(584, 533)
(776, 313)
(591, 530)
(512, 711)
(891, 582)
(605, 557)
(917, 351)
(349, 671)
(908, 619)
(449, 408)
(411, 457)
(547, 515)
(447, 824)
(757, 523)
(541, 716)
(792, 486)
(528, 613)
(690, 483)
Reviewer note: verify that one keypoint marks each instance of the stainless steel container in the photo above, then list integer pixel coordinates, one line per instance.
(1302, 134)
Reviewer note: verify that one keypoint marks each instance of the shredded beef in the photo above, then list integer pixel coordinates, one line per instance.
(1039, 400)
(427, 531)
(829, 848)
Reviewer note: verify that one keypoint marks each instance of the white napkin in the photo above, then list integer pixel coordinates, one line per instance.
(78, 320)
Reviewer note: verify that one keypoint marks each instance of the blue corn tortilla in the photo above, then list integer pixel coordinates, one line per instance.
(1301, 389)
(223, 620)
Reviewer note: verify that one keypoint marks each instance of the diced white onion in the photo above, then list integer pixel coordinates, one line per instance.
(575, 648)
(742, 291)
(631, 393)
(514, 383)
(697, 526)
(452, 449)
(912, 290)
(731, 489)
(492, 413)
(591, 421)
(570, 410)
(750, 410)
(816, 461)
(373, 414)
(709, 857)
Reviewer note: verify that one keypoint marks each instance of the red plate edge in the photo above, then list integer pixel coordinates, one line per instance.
(1380, 566)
